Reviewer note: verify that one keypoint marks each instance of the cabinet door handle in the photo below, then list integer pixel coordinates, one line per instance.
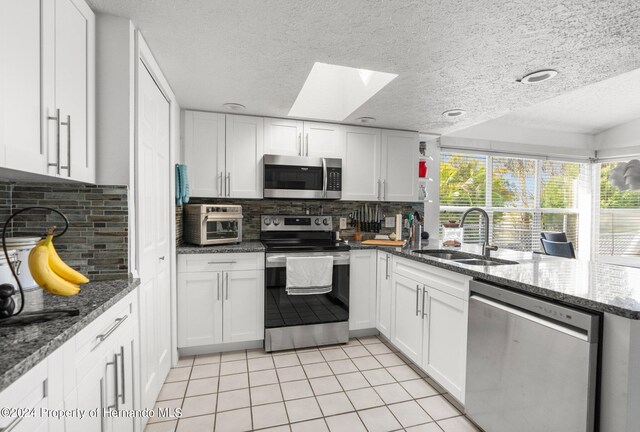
(220, 184)
(68, 125)
(222, 262)
(379, 190)
(299, 143)
(384, 190)
(57, 119)
(307, 141)
(122, 372)
(102, 337)
(229, 184)
(227, 285)
(218, 285)
(115, 381)
(387, 271)
(424, 295)
(417, 298)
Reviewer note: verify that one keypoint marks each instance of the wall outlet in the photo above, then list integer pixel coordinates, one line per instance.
(343, 223)
(390, 222)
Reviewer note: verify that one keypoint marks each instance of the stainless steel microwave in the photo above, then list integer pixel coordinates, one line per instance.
(302, 177)
(212, 224)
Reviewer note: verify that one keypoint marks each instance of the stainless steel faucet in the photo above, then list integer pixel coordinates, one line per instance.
(486, 247)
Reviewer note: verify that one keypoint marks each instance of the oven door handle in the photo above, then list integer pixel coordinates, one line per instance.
(282, 259)
(324, 178)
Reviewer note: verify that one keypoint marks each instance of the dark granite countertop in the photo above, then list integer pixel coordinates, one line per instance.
(591, 285)
(245, 246)
(25, 346)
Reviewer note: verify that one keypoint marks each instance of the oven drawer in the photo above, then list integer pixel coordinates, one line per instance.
(220, 262)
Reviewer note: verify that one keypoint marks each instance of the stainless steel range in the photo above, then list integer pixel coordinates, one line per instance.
(308, 316)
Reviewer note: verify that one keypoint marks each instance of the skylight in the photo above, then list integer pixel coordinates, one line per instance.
(333, 92)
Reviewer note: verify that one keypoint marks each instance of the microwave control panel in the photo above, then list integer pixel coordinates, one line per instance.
(334, 180)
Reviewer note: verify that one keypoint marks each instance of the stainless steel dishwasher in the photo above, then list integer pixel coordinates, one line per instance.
(531, 364)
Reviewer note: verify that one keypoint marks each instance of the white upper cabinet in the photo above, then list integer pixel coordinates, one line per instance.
(223, 154)
(204, 137)
(361, 164)
(380, 165)
(68, 111)
(297, 138)
(20, 144)
(399, 171)
(323, 140)
(244, 151)
(283, 137)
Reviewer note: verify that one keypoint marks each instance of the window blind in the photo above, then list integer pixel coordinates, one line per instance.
(619, 227)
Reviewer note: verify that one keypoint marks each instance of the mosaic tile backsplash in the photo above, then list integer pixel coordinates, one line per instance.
(96, 243)
(253, 209)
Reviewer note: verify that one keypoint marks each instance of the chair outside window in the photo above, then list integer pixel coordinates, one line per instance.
(559, 249)
(554, 236)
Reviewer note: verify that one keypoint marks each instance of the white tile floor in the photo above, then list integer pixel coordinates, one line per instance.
(364, 385)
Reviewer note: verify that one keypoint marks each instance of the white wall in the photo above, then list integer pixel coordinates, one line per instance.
(115, 82)
(500, 136)
(621, 140)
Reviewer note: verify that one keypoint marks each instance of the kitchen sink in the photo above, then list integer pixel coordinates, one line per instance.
(464, 258)
(446, 255)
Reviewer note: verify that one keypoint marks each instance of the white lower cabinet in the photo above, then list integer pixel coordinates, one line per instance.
(383, 294)
(29, 392)
(362, 289)
(445, 340)
(429, 321)
(406, 328)
(220, 306)
(95, 370)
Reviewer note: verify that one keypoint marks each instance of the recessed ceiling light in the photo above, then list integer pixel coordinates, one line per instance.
(333, 92)
(538, 76)
(454, 113)
(234, 106)
(366, 120)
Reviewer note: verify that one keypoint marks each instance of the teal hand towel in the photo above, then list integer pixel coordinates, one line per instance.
(184, 184)
(178, 186)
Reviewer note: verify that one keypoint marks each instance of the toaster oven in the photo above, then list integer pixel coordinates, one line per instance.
(212, 224)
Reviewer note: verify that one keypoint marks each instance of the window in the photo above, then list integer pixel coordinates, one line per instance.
(619, 228)
(523, 197)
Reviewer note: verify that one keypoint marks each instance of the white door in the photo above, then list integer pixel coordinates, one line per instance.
(362, 289)
(244, 150)
(152, 190)
(72, 24)
(361, 179)
(445, 341)
(243, 306)
(199, 309)
(283, 137)
(323, 140)
(20, 86)
(406, 328)
(399, 165)
(383, 303)
(204, 137)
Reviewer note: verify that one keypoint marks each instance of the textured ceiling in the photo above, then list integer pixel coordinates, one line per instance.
(588, 110)
(448, 54)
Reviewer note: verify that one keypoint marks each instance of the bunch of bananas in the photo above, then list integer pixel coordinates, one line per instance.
(50, 272)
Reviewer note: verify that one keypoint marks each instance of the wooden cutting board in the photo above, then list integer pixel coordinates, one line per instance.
(397, 243)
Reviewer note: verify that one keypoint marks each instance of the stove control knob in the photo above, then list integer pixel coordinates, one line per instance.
(267, 221)
(276, 221)
(317, 221)
(325, 221)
